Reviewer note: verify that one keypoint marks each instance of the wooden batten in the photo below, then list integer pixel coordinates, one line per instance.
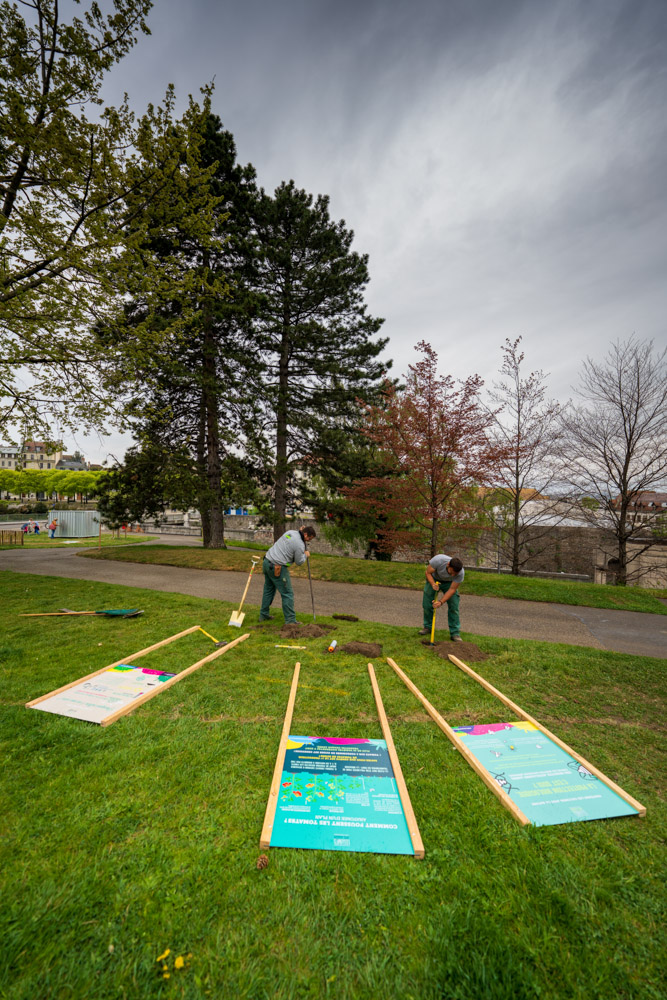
(564, 746)
(410, 818)
(272, 804)
(454, 738)
(173, 680)
(117, 663)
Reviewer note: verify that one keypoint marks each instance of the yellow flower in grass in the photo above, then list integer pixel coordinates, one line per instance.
(164, 954)
(179, 962)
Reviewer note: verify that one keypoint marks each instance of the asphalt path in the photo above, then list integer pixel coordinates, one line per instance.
(623, 631)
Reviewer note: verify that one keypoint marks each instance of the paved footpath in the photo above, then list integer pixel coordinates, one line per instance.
(623, 631)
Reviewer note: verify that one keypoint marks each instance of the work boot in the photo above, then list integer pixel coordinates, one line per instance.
(267, 618)
(457, 638)
(424, 631)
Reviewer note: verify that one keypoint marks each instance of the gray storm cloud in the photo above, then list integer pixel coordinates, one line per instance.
(503, 164)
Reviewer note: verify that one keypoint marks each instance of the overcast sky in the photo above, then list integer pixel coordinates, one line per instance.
(502, 162)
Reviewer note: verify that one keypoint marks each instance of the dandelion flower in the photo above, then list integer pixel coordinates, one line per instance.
(179, 962)
(164, 954)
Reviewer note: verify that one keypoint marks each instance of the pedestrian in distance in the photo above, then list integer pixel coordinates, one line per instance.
(290, 548)
(440, 570)
(36, 528)
(52, 527)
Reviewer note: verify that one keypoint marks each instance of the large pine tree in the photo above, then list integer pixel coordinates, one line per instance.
(315, 337)
(190, 395)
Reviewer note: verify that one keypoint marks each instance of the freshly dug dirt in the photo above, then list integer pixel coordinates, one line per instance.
(305, 631)
(345, 618)
(362, 648)
(466, 651)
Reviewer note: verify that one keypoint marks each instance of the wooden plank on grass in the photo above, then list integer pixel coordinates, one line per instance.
(271, 805)
(564, 746)
(109, 666)
(174, 680)
(454, 738)
(410, 818)
(92, 712)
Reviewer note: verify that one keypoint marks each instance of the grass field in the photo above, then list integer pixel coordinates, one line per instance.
(42, 541)
(120, 843)
(408, 575)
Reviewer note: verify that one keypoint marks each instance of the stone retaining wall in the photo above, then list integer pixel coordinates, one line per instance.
(578, 553)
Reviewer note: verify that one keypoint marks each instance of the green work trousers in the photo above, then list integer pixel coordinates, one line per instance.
(453, 620)
(283, 585)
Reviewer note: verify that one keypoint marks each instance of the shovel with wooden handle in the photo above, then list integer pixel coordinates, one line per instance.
(64, 612)
(237, 616)
(310, 581)
(432, 642)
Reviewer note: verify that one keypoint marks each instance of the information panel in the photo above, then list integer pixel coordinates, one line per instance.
(548, 785)
(95, 699)
(339, 795)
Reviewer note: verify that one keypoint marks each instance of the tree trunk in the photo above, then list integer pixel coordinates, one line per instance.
(202, 501)
(280, 495)
(516, 505)
(434, 537)
(622, 575)
(516, 540)
(216, 511)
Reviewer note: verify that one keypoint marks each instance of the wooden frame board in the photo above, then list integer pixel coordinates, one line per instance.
(410, 818)
(543, 729)
(271, 805)
(454, 738)
(109, 719)
(400, 785)
(500, 793)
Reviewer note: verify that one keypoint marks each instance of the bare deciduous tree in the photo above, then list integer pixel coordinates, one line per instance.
(617, 442)
(528, 428)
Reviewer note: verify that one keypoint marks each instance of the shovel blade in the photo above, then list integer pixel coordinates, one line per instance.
(237, 618)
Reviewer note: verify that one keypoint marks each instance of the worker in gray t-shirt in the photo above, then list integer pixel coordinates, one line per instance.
(440, 570)
(290, 548)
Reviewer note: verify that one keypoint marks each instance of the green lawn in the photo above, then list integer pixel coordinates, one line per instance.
(409, 575)
(120, 843)
(42, 541)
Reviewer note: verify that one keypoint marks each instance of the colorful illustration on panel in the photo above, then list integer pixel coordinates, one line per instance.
(339, 794)
(547, 783)
(100, 696)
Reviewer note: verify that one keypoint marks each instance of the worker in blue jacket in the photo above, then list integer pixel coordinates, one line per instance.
(290, 548)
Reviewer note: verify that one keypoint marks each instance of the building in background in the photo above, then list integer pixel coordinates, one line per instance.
(72, 463)
(30, 455)
(9, 456)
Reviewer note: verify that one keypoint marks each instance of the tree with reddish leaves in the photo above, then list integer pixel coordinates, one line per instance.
(436, 451)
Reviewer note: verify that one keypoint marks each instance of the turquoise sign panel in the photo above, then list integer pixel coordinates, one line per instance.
(548, 785)
(339, 795)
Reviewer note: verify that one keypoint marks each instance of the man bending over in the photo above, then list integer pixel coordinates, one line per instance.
(290, 548)
(440, 570)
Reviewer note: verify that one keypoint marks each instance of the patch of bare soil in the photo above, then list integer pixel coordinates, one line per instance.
(345, 618)
(362, 648)
(466, 651)
(305, 631)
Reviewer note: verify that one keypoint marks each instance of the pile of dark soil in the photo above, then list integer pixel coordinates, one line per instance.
(362, 648)
(305, 631)
(466, 651)
(345, 618)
